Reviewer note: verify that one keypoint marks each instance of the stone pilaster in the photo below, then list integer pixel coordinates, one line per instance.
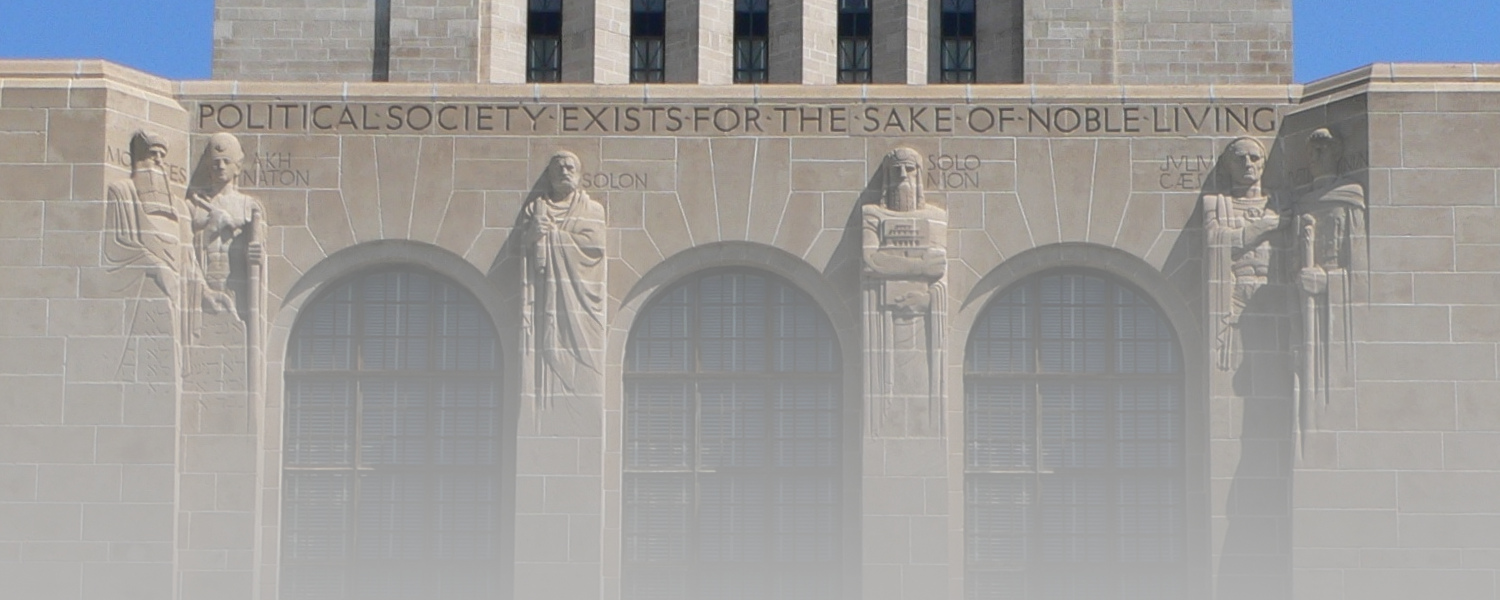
(502, 41)
(597, 41)
(1000, 53)
(904, 247)
(700, 43)
(899, 35)
(804, 42)
(560, 439)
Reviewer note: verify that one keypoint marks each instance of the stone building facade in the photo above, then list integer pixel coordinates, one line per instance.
(1154, 323)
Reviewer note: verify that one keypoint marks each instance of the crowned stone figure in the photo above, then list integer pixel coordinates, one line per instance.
(904, 242)
(226, 221)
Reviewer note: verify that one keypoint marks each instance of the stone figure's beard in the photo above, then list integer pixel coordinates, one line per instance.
(152, 186)
(905, 196)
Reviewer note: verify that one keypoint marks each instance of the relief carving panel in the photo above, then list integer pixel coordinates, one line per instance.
(1332, 243)
(1239, 221)
(564, 282)
(904, 242)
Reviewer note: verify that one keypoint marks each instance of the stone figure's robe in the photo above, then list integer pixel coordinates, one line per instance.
(905, 259)
(147, 226)
(566, 273)
(1331, 216)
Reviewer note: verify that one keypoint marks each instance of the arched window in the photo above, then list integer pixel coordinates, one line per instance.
(1074, 483)
(391, 475)
(732, 484)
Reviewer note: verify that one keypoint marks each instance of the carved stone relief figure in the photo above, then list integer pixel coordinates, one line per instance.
(1239, 221)
(904, 242)
(1332, 241)
(224, 219)
(151, 228)
(228, 240)
(564, 280)
(148, 226)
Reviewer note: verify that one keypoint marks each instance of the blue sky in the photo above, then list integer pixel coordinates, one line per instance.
(174, 38)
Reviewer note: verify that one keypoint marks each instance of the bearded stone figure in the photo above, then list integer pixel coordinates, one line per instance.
(904, 242)
(1239, 221)
(225, 221)
(148, 226)
(565, 283)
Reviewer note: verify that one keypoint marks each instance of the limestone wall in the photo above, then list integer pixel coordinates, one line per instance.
(88, 428)
(1393, 496)
(334, 40)
(141, 424)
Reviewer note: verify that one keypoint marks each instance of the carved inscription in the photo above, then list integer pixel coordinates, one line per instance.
(274, 169)
(953, 171)
(614, 181)
(768, 119)
(1185, 172)
(120, 157)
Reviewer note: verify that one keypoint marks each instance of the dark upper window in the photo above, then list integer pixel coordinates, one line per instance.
(648, 34)
(751, 35)
(732, 444)
(391, 475)
(382, 58)
(544, 41)
(1074, 473)
(854, 41)
(957, 41)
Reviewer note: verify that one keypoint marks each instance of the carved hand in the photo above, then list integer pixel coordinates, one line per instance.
(935, 262)
(1314, 280)
(1262, 225)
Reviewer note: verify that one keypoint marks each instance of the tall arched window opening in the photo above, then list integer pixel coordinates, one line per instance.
(391, 481)
(732, 483)
(1074, 447)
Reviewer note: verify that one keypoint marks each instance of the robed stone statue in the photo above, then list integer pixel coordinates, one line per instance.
(564, 231)
(1332, 239)
(904, 243)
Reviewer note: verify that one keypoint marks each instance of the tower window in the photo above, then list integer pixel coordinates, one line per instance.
(958, 41)
(854, 41)
(544, 41)
(382, 66)
(648, 35)
(751, 31)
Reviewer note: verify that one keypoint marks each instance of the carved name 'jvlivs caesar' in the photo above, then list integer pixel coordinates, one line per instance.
(904, 241)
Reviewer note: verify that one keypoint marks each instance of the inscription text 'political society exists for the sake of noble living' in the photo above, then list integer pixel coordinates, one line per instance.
(758, 119)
